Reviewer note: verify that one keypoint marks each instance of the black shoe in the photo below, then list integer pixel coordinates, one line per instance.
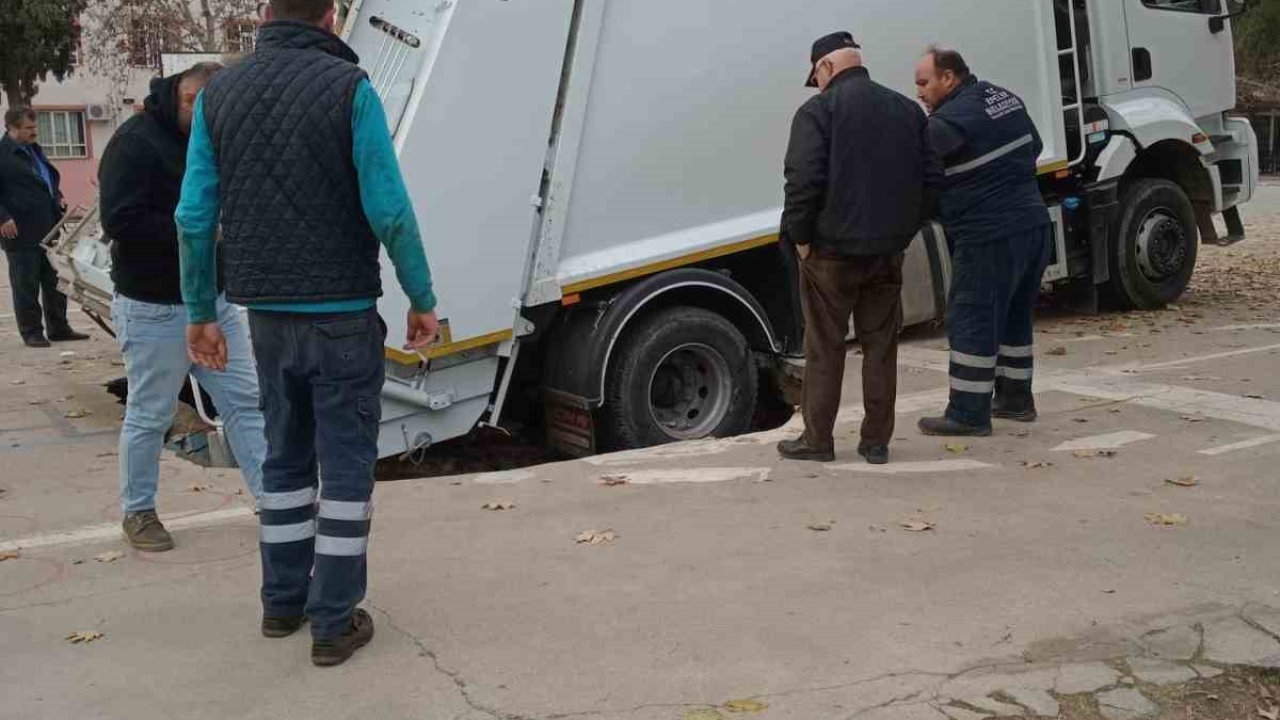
(1024, 415)
(875, 454)
(278, 627)
(800, 450)
(67, 336)
(36, 341)
(946, 427)
(326, 653)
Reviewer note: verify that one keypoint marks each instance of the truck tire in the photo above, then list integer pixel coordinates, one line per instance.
(682, 373)
(1154, 240)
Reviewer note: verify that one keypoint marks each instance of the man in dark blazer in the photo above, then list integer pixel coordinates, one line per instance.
(30, 205)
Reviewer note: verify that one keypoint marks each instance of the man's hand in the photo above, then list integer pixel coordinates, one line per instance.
(9, 230)
(802, 252)
(422, 330)
(206, 346)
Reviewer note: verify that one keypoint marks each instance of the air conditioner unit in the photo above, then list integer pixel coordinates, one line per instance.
(97, 112)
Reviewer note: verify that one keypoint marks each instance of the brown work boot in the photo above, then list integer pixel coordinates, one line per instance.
(326, 653)
(145, 532)
(279, 627)
(800, 449)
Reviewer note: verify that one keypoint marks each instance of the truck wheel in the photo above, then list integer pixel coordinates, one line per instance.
(679, 374)
(1154, 244)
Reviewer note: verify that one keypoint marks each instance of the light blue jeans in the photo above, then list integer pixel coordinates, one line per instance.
(153, 339)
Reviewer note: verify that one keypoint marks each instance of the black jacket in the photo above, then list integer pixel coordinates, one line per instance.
(859, 171)
(139, 180)
(24, 198)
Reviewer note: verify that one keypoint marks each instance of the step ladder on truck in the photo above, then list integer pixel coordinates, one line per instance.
(598, 185)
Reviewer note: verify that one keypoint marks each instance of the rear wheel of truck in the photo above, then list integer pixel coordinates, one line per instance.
(1154, 244)
(682, 373)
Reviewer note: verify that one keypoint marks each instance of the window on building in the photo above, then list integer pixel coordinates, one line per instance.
(239, 36)
(62, 133)
(148, 38)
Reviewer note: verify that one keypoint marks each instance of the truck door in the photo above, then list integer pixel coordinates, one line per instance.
(1173, 49)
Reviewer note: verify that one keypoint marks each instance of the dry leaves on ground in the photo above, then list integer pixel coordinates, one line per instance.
(957, 448)
(498, 505)
(915, 525)
(1255, 396)
(1058, 350)
(200, 488)
(75, 414)
(1271, 713)
(84, 637)
(1080, 420)
(821, 525)
(109, 557)
(1086, 454)
(1166, 519)
(10, 555)
(595, 537)
(754, 706)
(1193, 418)
(614, 480)
(67, 354)
(1187, 481)
(1036, 465)
(18, 382)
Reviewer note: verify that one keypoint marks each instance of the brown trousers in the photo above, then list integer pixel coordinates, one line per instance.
(833, 288)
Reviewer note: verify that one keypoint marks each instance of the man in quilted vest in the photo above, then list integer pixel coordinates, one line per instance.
(290, 152)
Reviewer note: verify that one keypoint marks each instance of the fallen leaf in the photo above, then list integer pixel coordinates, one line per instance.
(1187, 481)
(755, 706)
(84, 636)
(1020, 433)
(1058, 350)
(18, 382)
(1166, 519)
(67, 353)
(1036, 465)
(1270, 714)
(1084, 453)
(821, 526)
(1080, 420)
(9, 555)
(200, 488)
(75, 414)
(498, 505)
(1255, 396)
(614, 480)
(1193, 418)
(109, 557)
(35, 402)
(1108, 453)
(1114, 411)
(957, 448)
(917, 525)
(77, 561)
(595, 537)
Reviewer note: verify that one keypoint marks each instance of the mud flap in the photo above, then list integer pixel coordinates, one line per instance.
(570, 422)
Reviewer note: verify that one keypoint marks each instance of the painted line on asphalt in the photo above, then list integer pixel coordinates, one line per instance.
(908, 468)
(1204, 358)
(99, 533)
(687, 475)
(1263, 414)
(1110, 441)
(1244, 445)
(1254, 326)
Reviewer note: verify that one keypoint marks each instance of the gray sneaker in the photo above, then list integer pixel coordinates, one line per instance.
(145, 532)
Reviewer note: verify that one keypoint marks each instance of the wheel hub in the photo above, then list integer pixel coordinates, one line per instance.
(690, 391)
(1161, 246)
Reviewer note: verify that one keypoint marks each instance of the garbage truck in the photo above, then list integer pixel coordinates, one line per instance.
(599, 188)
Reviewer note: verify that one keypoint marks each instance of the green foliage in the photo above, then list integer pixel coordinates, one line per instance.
(37, 38)
(1258, 41)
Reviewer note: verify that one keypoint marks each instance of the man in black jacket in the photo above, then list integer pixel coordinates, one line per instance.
(140, 179)
(858, 170)
(30, 205)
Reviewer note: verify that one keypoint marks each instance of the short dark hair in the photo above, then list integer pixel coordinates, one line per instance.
(200, 71)
(301, 10)
(15, 115)
(947, 59)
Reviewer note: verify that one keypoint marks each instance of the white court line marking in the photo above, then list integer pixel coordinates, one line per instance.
(1204, 358)
(1244, 445)
(1111, 441)
(98, 533)
(937, 466)
(697, 475)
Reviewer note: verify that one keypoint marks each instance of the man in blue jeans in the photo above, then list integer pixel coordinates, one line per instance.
(290, 150)
(139, 179)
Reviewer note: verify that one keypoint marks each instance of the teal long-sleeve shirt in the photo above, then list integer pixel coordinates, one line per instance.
(382, 193)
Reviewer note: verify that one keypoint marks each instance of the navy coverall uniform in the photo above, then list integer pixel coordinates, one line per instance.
(1000, 235)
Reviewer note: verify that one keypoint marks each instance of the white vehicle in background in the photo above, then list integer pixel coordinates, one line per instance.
(599, 186)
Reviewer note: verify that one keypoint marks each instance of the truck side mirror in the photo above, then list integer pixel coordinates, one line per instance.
(1235, 8)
